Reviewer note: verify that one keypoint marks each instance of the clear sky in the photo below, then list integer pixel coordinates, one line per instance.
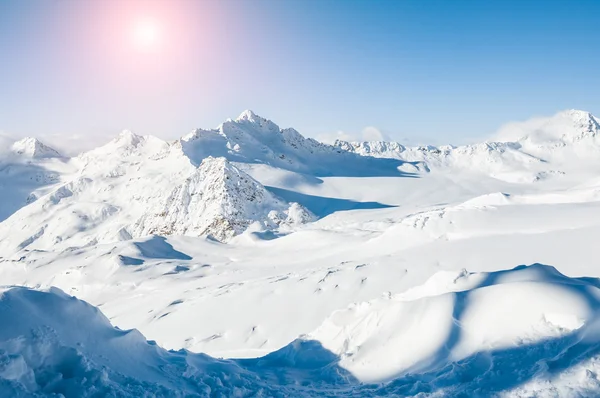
(440, 71)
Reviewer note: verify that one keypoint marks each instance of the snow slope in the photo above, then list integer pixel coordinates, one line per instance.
(260, 279)
(445, 338)
(427, 327)
(56, 344)
(28, 170)
(326, 245)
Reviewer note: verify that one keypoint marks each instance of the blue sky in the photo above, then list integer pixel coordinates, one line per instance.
(426, 71)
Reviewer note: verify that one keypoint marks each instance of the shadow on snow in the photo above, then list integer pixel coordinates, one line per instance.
(322, 206)
(30, 178)
(308, 368)
(158, 247)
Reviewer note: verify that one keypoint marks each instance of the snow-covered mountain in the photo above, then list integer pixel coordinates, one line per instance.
(218, 200)
(29, 169)
(546, 133)
(33, 148)
(522, 152)
(135, 185)
(360, 269)
(140, 185)
(252, 139)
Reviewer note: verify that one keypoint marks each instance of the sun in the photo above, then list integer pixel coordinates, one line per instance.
(146, 34)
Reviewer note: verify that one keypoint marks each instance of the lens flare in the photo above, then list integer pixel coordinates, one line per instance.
(146, 34)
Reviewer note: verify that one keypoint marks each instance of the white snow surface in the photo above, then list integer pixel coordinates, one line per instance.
(567, 142)
(460, 341)
(359, 269)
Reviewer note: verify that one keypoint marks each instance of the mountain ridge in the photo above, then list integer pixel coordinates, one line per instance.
(137, 185)
(530, 147)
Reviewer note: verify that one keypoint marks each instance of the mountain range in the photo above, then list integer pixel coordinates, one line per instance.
(358, 268)
(199, 185)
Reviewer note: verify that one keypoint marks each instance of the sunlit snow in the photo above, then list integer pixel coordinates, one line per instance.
(275, 265)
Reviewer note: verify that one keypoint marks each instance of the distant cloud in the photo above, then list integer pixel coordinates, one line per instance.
(369, 133)
(513, 131)
(5, 142)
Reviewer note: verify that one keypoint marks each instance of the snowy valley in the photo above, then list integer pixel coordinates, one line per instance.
(248, 260)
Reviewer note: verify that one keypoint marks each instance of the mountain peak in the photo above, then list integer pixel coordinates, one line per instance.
(576, 114)
(561, 129)
(569, 126)
(34, 148)
(249, 116)
(220, 200)
(124, 141)
(255, 123)
(581, 119)
(217, 166)
(126, 136)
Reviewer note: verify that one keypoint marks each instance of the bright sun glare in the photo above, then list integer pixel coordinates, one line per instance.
(146, 34)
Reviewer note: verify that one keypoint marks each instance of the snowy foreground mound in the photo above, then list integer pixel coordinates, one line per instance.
(522, 332)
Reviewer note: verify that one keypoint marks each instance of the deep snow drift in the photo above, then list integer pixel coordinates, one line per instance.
(526, 331)
(321, 267)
